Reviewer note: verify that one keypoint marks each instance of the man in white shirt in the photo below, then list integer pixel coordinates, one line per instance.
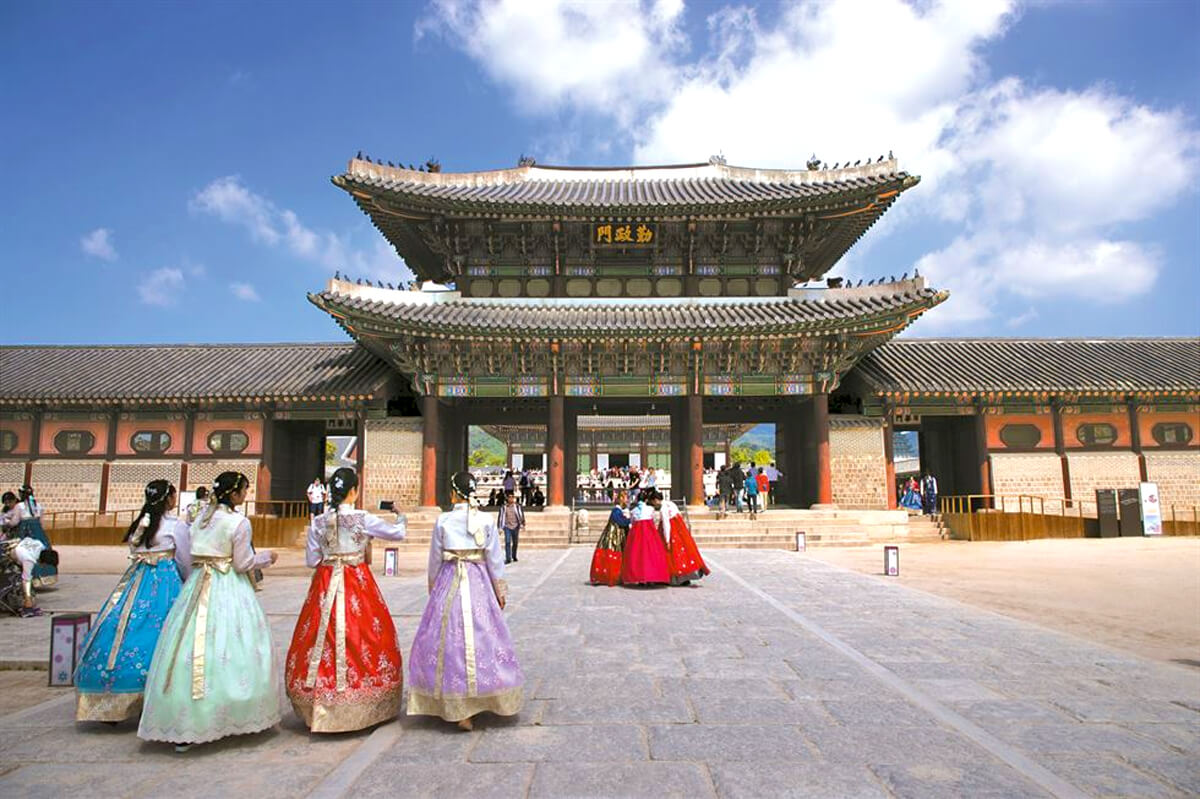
(316, 498)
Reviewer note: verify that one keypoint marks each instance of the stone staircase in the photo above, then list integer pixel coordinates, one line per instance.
(774, 529)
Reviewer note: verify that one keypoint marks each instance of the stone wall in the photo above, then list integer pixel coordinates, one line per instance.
(1178, 478)
(1092, 470)
(127, 481)
(12, 475)
(392, 462)
(67, 485)
(1037, 474)
(202, 473)
(858, 464)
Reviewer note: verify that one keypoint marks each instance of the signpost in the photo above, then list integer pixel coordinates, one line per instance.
(1131, 513)
(1151, 509)
(68, 632)
(801, 541)
(891, 560)
(1106, 512)
(389, 561)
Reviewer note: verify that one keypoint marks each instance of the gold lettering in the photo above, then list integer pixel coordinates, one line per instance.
(623, 233)
(644, 234)
(604, 234)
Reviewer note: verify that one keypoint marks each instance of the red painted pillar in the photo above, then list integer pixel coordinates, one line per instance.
(695, 429)
(556, 472)
(889, 457)
(429, 449)
(820, 425)
(1135, 440)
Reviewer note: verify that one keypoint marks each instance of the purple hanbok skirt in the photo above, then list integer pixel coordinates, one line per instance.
(443, 680)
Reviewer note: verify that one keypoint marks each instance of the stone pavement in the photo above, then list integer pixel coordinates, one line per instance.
(778, 675)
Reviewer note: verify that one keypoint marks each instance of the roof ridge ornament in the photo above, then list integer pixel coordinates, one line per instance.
(718, 159)
(526, 160)
(814, 163)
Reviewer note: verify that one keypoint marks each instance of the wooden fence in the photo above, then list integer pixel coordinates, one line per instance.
(275, 524)
(1022, 517)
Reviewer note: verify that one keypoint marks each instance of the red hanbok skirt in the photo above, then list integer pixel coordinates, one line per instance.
(372, 675)
(686, 563)
(645, 559)
(606, 561)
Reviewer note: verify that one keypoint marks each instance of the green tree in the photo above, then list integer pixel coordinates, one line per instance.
(331, 453)
(482, 457)
(740, 454)
(762, 457)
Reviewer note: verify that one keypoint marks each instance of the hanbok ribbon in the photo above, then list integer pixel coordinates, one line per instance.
(333, 599)
(462, 583)
(198, 605)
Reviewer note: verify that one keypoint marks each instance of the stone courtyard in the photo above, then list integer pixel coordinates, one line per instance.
(779, 675)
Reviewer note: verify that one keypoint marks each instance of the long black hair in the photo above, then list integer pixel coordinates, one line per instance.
(343, 481)
(158, 496)
(9, 499)
(226, 485)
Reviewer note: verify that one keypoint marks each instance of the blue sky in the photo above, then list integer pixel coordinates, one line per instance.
(169, 163)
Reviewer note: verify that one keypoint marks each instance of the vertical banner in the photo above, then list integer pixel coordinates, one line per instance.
(891, 561)
(1151, 509)
(389, 561)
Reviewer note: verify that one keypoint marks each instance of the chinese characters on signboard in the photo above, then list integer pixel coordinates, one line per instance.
(624, 234)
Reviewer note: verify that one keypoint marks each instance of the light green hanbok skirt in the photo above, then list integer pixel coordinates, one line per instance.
(221, 680)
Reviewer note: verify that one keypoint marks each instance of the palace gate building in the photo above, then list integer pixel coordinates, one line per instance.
(581, 311)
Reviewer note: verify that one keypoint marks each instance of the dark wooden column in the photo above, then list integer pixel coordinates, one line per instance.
(644, 451)
(1135, 439)
(360, 455)
(695, 446)
(189, 429)
(981, 453)
(820, 432)
(262, 488)
(889, 455)
(593, 455)
(35, 445)
(556, 449)
(429, 451)
(1060, 448)
(110, 452)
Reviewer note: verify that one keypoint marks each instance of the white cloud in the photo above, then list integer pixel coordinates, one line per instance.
(231, 201)
(1038, 187)
(98, 244)
(161, 287)
(244, 291)
(607, 56)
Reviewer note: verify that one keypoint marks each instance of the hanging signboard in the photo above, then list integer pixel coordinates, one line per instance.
(623, 234)
(1151, 509)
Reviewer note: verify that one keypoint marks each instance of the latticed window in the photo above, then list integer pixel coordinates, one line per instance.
(1020, 436)
(74, 442)
(8, 441)
(1166, 434)
(1097, 434)
(227, 442)
(150, 442)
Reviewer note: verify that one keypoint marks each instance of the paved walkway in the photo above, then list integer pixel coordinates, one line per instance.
(777, 676)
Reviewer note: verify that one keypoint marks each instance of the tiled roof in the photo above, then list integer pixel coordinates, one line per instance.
(1067, 366)
(818, 310)
(209, 372)
(692, 188)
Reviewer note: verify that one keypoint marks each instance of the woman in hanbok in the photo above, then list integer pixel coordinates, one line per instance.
(29, 519)
(911, 499)
(116, 657)
(343, 670)
(462, 661)
(27, 552)
(213, 672)
(645, 558)
(686, 563)
(606, 561)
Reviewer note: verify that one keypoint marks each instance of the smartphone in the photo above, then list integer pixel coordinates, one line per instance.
(387, 504)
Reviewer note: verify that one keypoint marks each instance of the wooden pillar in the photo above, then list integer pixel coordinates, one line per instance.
(981, 451)
(360, 455)
(110, 452)
(1060, 448)
(262, 487)
(555, 471)
(429, 451)
(189, 430)
(1135, 439)
(695, 443)
(889, 456)
(593, 454)
(35, 446)
(820, 429)
(644, 450)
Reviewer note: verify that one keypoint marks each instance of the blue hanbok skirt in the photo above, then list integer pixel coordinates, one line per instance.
(111, 676)
(44, 575)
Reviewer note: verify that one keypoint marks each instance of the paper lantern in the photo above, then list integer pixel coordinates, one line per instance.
(68, 632)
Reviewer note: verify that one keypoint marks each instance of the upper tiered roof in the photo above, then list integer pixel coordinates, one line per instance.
(845, 200)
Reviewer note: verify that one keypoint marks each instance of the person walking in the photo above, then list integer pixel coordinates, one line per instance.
(343, 670)
(111, 677)
(750, 486)
(929, 493)
(511, 519)
(316, 498)
(723, 490)
(764, 487)
(526, 488)
(737, 479)
(462, 661)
